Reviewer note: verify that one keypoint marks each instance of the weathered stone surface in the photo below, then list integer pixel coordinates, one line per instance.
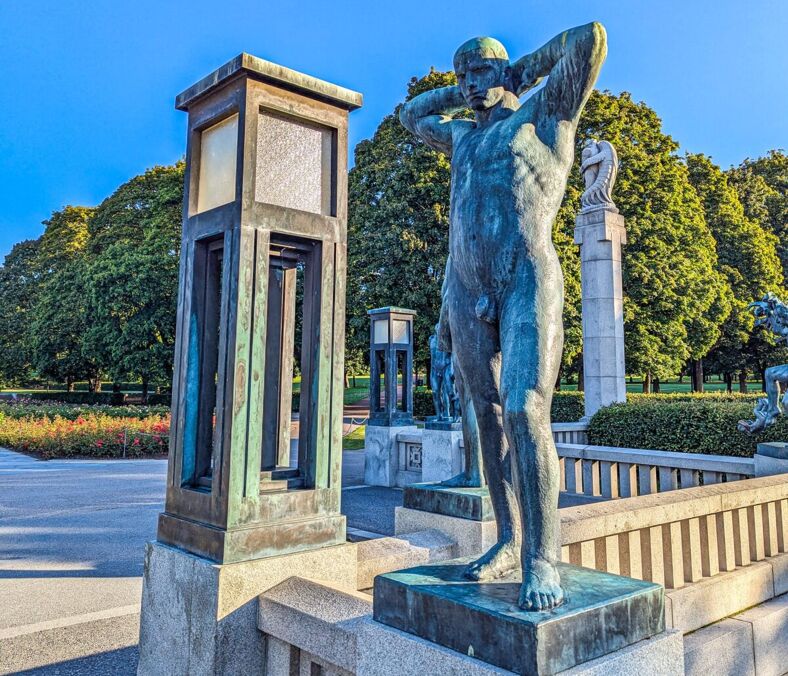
(602, 613)
(441, 453)
(662, 655)
(699, 604)
(766, 465)
(462, 503)
(722, 648)
(199, 617)
(472, 537)
(779, 566)
(316, 618)
(769, 626)
(600, 235)
(774, 449)
(381, 455)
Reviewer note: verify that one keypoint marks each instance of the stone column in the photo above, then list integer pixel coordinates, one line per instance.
(600, 234)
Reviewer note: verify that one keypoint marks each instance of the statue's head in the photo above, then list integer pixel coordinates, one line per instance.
(589, 148)
(483, 72)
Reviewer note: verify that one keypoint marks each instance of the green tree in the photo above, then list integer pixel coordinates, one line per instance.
(133, 276)
(674, 297)
(762, 185)
(747, 255)
(18, 287)
(59, 316)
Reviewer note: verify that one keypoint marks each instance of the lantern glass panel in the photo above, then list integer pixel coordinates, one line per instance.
(294, 161)
(381, 332)
(400, 332)
(218, 160)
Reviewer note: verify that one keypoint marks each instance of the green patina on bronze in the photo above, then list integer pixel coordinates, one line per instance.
(602, 613)
(464, 503)
(229, 496)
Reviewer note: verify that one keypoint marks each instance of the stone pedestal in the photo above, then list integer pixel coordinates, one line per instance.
(442, 453)
(200, 617)
(600, 235)
(382, 463)
(463, 514)
(602, 613)
(771, 458)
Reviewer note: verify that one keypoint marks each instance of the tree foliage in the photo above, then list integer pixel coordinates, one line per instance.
(747, 255)
(132, 277)
(18, 285)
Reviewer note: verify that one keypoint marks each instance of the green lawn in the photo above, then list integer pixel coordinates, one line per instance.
(355, 440)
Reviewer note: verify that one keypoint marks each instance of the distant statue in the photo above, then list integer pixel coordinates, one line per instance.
(442, 382)
(504, 296)
(772, 314)
(599, 166)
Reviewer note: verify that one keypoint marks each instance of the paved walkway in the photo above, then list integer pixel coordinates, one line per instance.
(72, 536)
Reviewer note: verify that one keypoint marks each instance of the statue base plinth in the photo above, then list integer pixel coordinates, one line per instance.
(602, 613)
(462, 503)
(443, 425)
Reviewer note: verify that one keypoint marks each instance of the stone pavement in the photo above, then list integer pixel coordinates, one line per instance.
(72, 534)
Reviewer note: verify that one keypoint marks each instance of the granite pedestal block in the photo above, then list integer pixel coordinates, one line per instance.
(771, 458)
(602, 613)
(382, 466)
(462, 503)
(442, 454)
(199, 617)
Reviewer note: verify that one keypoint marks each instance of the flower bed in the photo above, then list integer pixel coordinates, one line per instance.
(96, 435)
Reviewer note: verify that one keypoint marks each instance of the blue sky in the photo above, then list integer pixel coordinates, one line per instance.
(88, 87)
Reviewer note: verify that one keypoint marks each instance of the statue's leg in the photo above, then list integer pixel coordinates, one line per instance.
(435, 385)
(475, 345)
(471, 476)
(531, 344)
(772, 376)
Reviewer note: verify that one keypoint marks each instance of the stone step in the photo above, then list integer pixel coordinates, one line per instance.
(382, 555)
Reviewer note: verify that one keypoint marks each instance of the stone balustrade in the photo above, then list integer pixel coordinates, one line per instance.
(610, 472)
(682, 537)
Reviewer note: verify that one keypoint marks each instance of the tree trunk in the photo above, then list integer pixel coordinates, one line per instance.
(347, 380)
(681, 377)
(697, 375)
(655, 386)
(647, 384)
(69, 384)
(729, 382)
(144, 390)
(581, 378)
(353, 377)
(743, 382)
(763, 379)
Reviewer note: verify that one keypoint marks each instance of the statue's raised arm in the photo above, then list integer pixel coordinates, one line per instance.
(571, 61)
(429, 116)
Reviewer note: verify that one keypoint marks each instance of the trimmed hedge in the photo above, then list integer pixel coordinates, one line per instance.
(696, 424)
(50, 411)
(567, 406)
(99, 398)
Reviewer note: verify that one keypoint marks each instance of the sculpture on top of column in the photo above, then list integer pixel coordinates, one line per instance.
(771, 313)
(504, 293)
(599, 166)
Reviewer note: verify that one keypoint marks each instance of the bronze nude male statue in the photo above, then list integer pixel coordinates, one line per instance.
(504, 294)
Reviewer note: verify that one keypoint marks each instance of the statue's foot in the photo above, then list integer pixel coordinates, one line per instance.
(500, 560)
(541, 588)
(463, 480)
